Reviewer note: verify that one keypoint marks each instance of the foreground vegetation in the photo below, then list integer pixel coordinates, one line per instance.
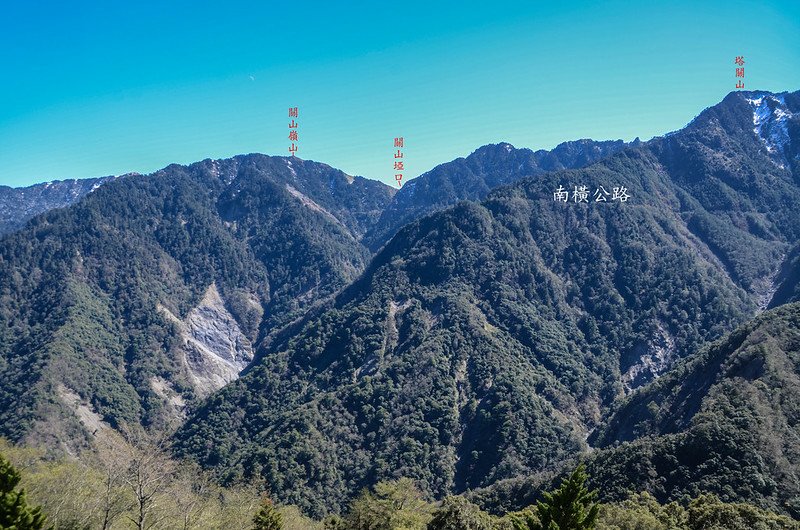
(136, 485)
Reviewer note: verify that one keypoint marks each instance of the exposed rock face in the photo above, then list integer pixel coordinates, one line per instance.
(175, 404)
(215, 349)
(650, 360)
(98, 432)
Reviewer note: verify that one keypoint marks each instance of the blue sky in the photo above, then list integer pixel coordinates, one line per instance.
(100, 88)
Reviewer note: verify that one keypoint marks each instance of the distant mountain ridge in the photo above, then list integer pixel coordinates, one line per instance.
(18, 205)
(473, 177)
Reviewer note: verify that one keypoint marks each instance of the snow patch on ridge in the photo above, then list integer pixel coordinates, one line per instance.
(770, 123)
(291, 168)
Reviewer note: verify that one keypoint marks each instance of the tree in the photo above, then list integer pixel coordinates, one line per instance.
(237, 506)
(522, 520)
(393, 505)
(641, 512)
(150, 471)
(113, 465)
(570, 507)
(192, 493)
(14, 510)
(294, 519)
(67, 491)
(457, 513)
(267, 518)
(333, 522)
(707, 511)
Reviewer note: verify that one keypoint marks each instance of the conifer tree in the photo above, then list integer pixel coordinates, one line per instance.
(267, 518)
(570, 507)
(14, 510)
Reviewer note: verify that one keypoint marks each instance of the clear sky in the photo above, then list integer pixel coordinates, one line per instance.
(100, 88)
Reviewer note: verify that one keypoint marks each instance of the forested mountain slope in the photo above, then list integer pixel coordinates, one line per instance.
(224, 253)
(154, 289)
(489, 340)
(726, 420)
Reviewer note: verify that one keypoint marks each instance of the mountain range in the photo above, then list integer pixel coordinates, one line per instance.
(471, 330)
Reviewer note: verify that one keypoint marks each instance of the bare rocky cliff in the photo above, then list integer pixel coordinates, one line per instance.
(214, 348)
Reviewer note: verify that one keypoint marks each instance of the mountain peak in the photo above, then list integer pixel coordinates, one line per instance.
(500, 148)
